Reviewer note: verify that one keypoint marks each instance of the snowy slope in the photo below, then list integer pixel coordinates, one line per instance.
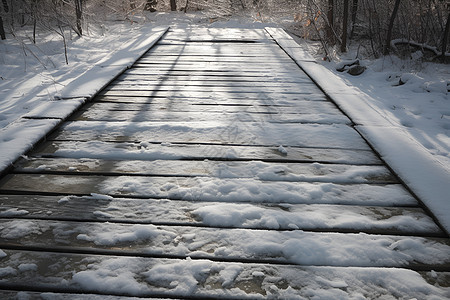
(34, 102)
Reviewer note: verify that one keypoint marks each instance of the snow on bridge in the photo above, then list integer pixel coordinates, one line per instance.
(214, 168)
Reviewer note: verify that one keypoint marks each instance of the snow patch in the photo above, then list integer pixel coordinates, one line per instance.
(13, 212)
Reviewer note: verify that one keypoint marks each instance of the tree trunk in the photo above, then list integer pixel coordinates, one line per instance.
(387, 44)
(34, 30)
(345, 27)
(354, 11)
(173, 5)
(2, 29)
(150, 5)
(445, 37)
(5, 6)
(79, 15)
(330, 17)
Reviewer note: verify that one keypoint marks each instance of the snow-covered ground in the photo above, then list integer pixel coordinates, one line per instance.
(413, 95)
(33, 75)
(401, 106)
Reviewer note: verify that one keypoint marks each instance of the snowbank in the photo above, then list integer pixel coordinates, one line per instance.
(34, 105)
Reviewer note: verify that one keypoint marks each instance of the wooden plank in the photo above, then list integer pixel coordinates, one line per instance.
(180, 98)
(10, 294)
(134, 88)
(162, 84)
(235, 111)
(210, 39)
(153, 277)
(159, 116)
(221, 59)
(232, 46)
(215, 68)
(269, 171)
(148, 151)
(315, 217)
(211, 189)
(213, 51)
(279, 75)
(215, 31)
(213, 94)
(218, 36)
(243, 54)
(218, 65)
(222, 51)
(213, 78)
(240, 244)
(230, 132)
(221, 47)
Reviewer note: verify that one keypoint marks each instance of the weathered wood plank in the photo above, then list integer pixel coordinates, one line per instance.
(269, 171)
(222, 83)
(215, 68)
(301, 101)
(139, 276)
(217, 35)
(336, 136)
(211, 189)
(166, 151)
(186, 60)
(13, 295)
(234, 111)
(180, 98)
(233, 46)
(257, 246)
(208, 39)
(215, 51)
(218, 58)
(315, 217)
(263, 95)
(218, 65)
(136, 115)
(261, 56)
(209, 89)
(211, 78)
(222, 73)
(219, 48)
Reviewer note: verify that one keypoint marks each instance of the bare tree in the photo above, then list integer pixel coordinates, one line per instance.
(173, 5)
(445, 37)
(354, 12)
(79, 15)
(344, 27)
(2, 29)
(330, 16)
(387, 44)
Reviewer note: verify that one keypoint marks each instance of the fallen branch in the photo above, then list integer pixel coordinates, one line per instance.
(396, 42)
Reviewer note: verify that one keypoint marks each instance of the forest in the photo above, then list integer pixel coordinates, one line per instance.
(376, 26)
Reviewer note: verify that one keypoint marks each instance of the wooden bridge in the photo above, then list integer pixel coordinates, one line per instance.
(214, 168)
